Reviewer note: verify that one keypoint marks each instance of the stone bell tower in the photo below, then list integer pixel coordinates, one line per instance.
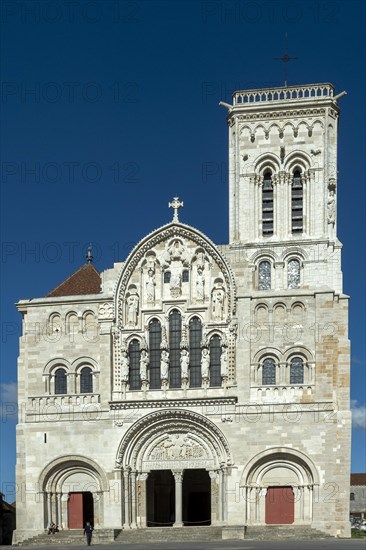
(282, 159)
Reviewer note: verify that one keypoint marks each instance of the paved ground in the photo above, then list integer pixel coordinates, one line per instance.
(332, 544)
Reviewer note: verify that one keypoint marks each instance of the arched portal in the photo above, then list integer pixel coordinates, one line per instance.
(73, 488)
(175, 458)
(279, 487)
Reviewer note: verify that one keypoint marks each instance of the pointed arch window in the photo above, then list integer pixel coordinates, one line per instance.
(175, 336)
(264, 275)
(215, 361)
(269, 372)
(293, 274)
(86, 380)
(195, 352)
(134, 380)
(297, 203)
(60, 382)
(297, 371)
(267, 205)
(155, 354)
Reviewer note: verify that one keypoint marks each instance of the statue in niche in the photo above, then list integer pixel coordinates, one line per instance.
(144, 361)
(150, 286)
(205, 363)
(125, 362)
(200, 285)
(331, 207)
(132, 309)
(175, 282)
(224, 361)
(164, 364)
(218, 297)
(184, 363)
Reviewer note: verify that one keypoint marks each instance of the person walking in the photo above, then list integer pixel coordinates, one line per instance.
(88, 531)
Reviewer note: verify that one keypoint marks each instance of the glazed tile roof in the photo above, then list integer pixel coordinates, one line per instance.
(86, 280)
(358, 479)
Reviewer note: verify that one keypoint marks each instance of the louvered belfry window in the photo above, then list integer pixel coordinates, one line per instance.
(267, 205)
(297, 203)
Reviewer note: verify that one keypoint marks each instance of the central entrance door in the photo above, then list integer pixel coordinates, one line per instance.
(160, 493)
(280, 505)
(196, 497)
(80, 509)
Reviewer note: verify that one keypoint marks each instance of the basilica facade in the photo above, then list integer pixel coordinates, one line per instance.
(196, 384)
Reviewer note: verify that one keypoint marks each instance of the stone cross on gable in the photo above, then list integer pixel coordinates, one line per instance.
(176, 204)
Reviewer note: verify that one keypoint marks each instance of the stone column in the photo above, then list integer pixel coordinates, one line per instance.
(141, 500)
(49, 508)
(178, 477)
(65, 510)
(58, 510)
(214, 498)
(224, 494)
(133, 500)
(126, 483)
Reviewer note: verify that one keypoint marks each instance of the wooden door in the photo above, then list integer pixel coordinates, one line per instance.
(75, 511)
(280, 505)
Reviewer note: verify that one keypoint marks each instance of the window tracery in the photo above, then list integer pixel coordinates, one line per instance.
(293, 274)
(175, 336)
(195, 352)
(297, 370)
(134, 379)
(264, 275)
(268, 372)
(215, 361)
(86, 380)
(155, 353)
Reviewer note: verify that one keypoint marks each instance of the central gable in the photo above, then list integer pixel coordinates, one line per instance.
(175, 265)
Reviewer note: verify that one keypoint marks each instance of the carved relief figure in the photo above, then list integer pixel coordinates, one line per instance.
(224, 360)
(125, 362)
(218, 297)
(132, 309)
(205, 362)
(164, 364)
(175, 282)
(184, 363)
(144, 361)
(150, 286)
(200, 285)
(331, 207)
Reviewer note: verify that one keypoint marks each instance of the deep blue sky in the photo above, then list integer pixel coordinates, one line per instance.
(124, 115)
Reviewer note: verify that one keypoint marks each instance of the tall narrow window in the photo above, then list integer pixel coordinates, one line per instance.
(215, 361)
(60, 382)
(297, 203)
(293, 274)
(264, 275)
(268, 372)
(267, 205)
(86, 380)
(297, 371)
(134, 370)
(195, 337)
(167, 276)
(155, 354)
(175, 336)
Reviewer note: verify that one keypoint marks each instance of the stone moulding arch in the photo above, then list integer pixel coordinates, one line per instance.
(55, 470)
(165, 233)
(149, 428)
(279, 456)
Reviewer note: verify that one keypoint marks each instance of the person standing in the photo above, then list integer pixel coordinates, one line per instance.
(88, 531)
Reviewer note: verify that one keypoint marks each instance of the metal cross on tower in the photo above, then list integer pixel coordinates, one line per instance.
(176, 204)
(285, 58)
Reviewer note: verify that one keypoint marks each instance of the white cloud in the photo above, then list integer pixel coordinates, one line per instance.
(358, 415)
(9, 392)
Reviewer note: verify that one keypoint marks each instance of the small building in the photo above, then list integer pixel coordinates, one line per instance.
(7, 521)
(358, 496)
